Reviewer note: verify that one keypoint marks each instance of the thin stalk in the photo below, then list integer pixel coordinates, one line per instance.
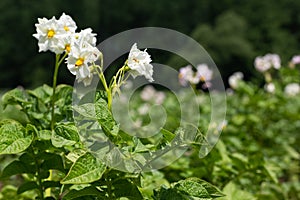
(38, 174)
(58, 61)
(107, 89)
(54, 88)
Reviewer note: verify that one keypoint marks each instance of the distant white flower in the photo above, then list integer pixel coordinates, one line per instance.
(48, 35)
(270, 87)
(139, 63)
(149, 94)
(67, 23)
(261, 64)
(274, 59)
(144, 109)
(295, 60)
(186, 75)
(292, 89)
(204, 73)
(234, 79)
(79, 59)
(266, 62)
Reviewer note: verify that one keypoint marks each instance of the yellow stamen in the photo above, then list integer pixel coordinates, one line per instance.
(66, 28)
(50, 33)
(202, 78)
(79, 62)
(68, 48)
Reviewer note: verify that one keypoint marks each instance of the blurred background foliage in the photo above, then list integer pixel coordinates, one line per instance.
(233, 32)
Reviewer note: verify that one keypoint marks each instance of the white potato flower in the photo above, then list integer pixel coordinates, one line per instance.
(234, 79)
(67, 23)
(264, 63)
(139, 63)
(187, 75)
(81, 56)
(292, 89)
(48, 35)
(55, 35)
(86, 36)
(295, 60)
(270, 87)
(204, 73)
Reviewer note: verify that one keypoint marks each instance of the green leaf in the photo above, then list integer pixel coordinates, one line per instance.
(15, 96)
(14, 138)
(52, 161)
(169, 136)
(232, 192)
(89, 191)
(17, 167)
(86, 110)
(105, 118)
(65, 135)
(43, 92)
(86, 169)
(196, 187)
(124, 188)
(31, 185)
(168, 193)
(44, 134)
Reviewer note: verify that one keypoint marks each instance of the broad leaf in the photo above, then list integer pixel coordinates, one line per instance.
(15, 96)
(31, 185)
(17, 167)
(105, 118)
(14, 138)
(198, 188)
(65, 135)
(124, 188)
(86, 169)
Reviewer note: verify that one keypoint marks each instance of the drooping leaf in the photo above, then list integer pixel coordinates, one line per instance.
(31, 185)
(17, 167)
(14, 138)
(86, 169)
(15, 96)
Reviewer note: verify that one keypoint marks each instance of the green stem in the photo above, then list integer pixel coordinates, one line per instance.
(54, 88)
(58, 61)
(107, 89)
(38, 174)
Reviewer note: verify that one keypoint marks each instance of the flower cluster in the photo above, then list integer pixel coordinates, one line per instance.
(264, 63)
(80, 52)
(202, 75)
(59, 36)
